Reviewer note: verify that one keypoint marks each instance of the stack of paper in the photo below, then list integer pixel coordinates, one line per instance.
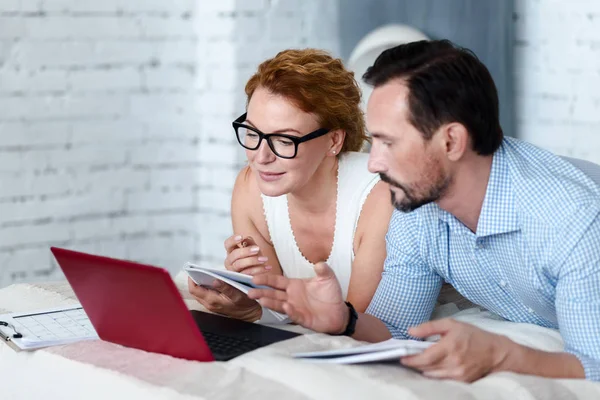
(205, 276)
(389, 350)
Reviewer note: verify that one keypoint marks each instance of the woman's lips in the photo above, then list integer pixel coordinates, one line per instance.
(270, 176)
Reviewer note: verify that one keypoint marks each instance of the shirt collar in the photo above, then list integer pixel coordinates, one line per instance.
(498, 212)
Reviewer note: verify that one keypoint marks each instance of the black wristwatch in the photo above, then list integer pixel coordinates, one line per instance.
(353, 317)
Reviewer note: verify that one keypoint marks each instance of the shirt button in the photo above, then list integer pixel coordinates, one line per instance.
(503, 283)
(530, 310)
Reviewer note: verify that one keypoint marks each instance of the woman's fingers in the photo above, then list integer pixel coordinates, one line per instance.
(243, 263)
(232, 242)
(233, 259)
(253, 271)
(237, 241)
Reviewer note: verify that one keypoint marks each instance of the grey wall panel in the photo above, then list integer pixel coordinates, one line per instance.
(484, 26)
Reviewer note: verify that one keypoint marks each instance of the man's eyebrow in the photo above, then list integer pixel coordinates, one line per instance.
(277, 131)
(378, 135)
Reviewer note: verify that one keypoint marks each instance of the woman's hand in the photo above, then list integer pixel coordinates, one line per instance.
(244, 256)
(224, 299)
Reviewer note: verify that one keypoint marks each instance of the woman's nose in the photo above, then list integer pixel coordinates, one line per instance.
(264, 154)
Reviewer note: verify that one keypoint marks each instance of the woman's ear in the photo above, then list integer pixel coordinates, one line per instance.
(337, 141)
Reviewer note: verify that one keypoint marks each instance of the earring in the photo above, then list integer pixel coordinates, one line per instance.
(332, 151)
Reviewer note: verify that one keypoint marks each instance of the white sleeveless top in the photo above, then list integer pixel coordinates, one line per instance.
(354, 185)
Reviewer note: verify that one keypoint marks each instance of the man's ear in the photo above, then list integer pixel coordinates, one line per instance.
(456, 140)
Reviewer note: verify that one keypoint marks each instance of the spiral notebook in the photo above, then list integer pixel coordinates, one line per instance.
(49, 327)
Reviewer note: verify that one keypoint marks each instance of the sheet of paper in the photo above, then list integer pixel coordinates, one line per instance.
(388, 350)
(49, 327)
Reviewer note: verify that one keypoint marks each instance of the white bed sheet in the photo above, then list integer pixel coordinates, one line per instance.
(100, 370)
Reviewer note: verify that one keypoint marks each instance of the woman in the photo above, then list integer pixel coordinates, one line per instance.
(306, 195)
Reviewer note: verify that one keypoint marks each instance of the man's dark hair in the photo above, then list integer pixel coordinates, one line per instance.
(446, 83)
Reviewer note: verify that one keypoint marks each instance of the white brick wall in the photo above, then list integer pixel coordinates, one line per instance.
(99, 132)
(115, 122)
(115, 133)
(557, 75)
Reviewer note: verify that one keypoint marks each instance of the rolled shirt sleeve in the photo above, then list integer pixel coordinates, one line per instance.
(408, 289)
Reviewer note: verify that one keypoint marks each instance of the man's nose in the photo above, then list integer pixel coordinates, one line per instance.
(375, 164)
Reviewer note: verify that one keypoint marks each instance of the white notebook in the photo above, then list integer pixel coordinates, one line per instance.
(205, 276)
(389, 350)
(49, 327)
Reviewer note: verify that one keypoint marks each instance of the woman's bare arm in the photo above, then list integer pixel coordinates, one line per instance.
(247, 217)
(370, 252)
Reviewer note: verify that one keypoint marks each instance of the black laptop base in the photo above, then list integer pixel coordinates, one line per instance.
(228, 338)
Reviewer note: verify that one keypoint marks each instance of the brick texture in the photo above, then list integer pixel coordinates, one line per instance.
(115, 134)
(557, 75)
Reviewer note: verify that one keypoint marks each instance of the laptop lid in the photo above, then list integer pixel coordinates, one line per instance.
(134, 305)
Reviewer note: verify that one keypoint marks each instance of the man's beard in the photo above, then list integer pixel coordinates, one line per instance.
(415, 197)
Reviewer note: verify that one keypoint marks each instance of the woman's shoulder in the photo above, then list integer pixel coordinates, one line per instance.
(376, 210)
(246, 190)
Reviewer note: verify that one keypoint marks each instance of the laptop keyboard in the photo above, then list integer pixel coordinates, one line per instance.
(224, 345)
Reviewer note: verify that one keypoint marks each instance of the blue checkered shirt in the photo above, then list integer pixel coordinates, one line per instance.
(535, 257)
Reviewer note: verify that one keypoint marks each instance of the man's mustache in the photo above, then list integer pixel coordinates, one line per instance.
(391, 182)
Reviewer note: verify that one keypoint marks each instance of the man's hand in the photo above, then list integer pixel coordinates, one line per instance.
(314, 303)
(464, 352)
(227, 300)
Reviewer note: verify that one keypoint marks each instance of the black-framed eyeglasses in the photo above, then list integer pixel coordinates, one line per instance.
(284, 146)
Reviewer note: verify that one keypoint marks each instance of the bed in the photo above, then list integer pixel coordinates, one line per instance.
(100, 370)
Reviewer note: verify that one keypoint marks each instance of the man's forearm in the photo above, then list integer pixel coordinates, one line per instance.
(525, 360)
(370, 329)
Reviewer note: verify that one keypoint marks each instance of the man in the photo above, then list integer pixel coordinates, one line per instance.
(512, 227)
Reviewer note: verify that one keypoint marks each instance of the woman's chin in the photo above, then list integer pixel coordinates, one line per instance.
(272, 189)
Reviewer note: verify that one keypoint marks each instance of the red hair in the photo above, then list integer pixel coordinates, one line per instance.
(318, 84)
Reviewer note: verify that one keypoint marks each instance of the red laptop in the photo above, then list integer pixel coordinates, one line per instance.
(139, 306)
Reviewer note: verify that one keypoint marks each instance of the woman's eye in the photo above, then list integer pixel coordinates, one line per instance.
(285, 142)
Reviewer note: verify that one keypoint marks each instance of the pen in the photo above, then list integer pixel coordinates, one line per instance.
(244, 243)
